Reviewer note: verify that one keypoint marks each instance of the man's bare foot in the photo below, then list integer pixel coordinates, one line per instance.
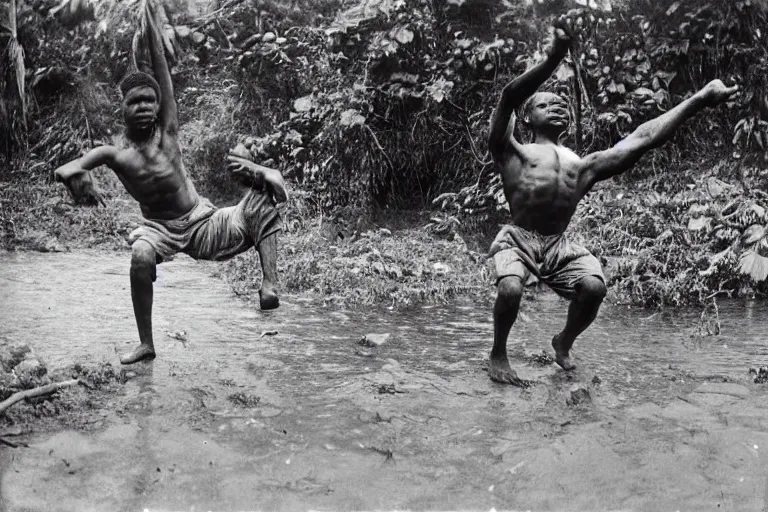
(268, 298)
(501, 372)
(143, 352)
(562, 356)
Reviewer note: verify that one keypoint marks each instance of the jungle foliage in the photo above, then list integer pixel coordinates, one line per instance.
(369, 105)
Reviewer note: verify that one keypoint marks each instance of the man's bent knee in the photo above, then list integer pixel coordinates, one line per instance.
(143, 260)
(592, 289)
(510, 289)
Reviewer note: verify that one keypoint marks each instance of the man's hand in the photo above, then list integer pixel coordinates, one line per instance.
(245, 172)
(716, 92)
(257, 176)
(562, 36)
(83, 191)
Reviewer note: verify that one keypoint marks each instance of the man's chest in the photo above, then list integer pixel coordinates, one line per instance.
(545, 169)
(154, 159)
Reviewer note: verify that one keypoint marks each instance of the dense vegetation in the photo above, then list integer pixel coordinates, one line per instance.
(374, 107)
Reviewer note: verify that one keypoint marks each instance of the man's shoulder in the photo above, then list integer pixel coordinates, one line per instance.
(168, 139)
(530, 153)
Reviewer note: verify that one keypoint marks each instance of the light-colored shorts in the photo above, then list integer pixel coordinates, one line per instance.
(553, 259)
(211, 233)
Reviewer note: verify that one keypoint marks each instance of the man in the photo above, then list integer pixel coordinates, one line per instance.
(543, 183)
(176, 218)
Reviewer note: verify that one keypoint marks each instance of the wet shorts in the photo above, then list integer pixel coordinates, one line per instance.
(210, 233)
(553, 259)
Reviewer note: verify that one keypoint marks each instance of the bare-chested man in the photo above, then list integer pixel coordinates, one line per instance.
(176, 218)
(543, 183)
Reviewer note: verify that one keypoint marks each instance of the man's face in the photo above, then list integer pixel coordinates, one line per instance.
(140, 107)
(548, 111)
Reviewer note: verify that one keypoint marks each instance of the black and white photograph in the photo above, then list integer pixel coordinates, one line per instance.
(383, 255)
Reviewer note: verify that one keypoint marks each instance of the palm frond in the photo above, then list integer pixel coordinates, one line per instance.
(12, 18)
(754, 265)
(16, 56)
(15, 59)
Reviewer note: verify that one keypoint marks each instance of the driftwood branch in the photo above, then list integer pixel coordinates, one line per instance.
(31, 393)
(5, 442)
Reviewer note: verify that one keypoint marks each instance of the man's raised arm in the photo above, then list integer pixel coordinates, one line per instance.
(518, 90)
(651, 134)
(168, 117)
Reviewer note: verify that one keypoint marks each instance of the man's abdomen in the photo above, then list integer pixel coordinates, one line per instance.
(545, 210)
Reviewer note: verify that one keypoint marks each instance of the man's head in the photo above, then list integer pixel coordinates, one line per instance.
(546, 112)
(141, 100)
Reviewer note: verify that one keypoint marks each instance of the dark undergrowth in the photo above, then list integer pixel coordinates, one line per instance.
(373, 113)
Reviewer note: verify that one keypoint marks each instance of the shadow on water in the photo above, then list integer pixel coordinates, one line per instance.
(233, 415)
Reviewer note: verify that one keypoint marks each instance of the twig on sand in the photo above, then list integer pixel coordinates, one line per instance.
(31, 393)
(12, 445)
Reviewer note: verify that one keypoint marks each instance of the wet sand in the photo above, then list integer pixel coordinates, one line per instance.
(228, 419)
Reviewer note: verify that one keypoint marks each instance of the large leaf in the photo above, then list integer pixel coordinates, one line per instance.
(699, 223)
(402, 35)
(754, 265)
(304, 104)
(439, 89)
(352, 117)
(564, 73)
(753, 234)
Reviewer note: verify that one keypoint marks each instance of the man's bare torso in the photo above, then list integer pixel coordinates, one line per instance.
(154, 175)
(543, 185)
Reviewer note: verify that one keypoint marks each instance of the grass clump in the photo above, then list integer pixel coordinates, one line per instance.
(372, 266)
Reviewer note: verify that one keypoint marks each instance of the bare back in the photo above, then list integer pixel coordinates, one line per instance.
(543, 184)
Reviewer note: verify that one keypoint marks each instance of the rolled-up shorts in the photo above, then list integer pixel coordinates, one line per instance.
(553, 259)
(211, 233)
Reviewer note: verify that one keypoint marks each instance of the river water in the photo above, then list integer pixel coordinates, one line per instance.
(231, 416)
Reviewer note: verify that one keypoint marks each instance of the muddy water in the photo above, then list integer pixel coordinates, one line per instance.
(229, 419)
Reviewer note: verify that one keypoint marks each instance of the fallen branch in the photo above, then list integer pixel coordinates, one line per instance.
(31, 393)
(11, 444)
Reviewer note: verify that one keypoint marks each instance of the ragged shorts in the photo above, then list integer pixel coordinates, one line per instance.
(211, 233)
(553, 259)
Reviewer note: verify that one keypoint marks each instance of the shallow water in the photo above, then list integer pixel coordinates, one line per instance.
(673, 423)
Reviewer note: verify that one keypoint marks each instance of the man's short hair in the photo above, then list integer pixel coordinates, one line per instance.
(139, 79)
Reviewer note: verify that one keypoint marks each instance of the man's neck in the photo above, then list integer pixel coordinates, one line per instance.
(140, 136)
(548, 137)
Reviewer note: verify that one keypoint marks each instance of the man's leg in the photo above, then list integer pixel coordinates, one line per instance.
(590, 291)
(263, 224)
(143, 274)
(229, 231)
(267, 249)
(510, 292)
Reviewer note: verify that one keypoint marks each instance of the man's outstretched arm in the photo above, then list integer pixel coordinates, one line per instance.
(77, 178)
(651, 134)
(168, 117)
(521, 88)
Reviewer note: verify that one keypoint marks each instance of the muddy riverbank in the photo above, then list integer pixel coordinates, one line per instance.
(233, 416)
